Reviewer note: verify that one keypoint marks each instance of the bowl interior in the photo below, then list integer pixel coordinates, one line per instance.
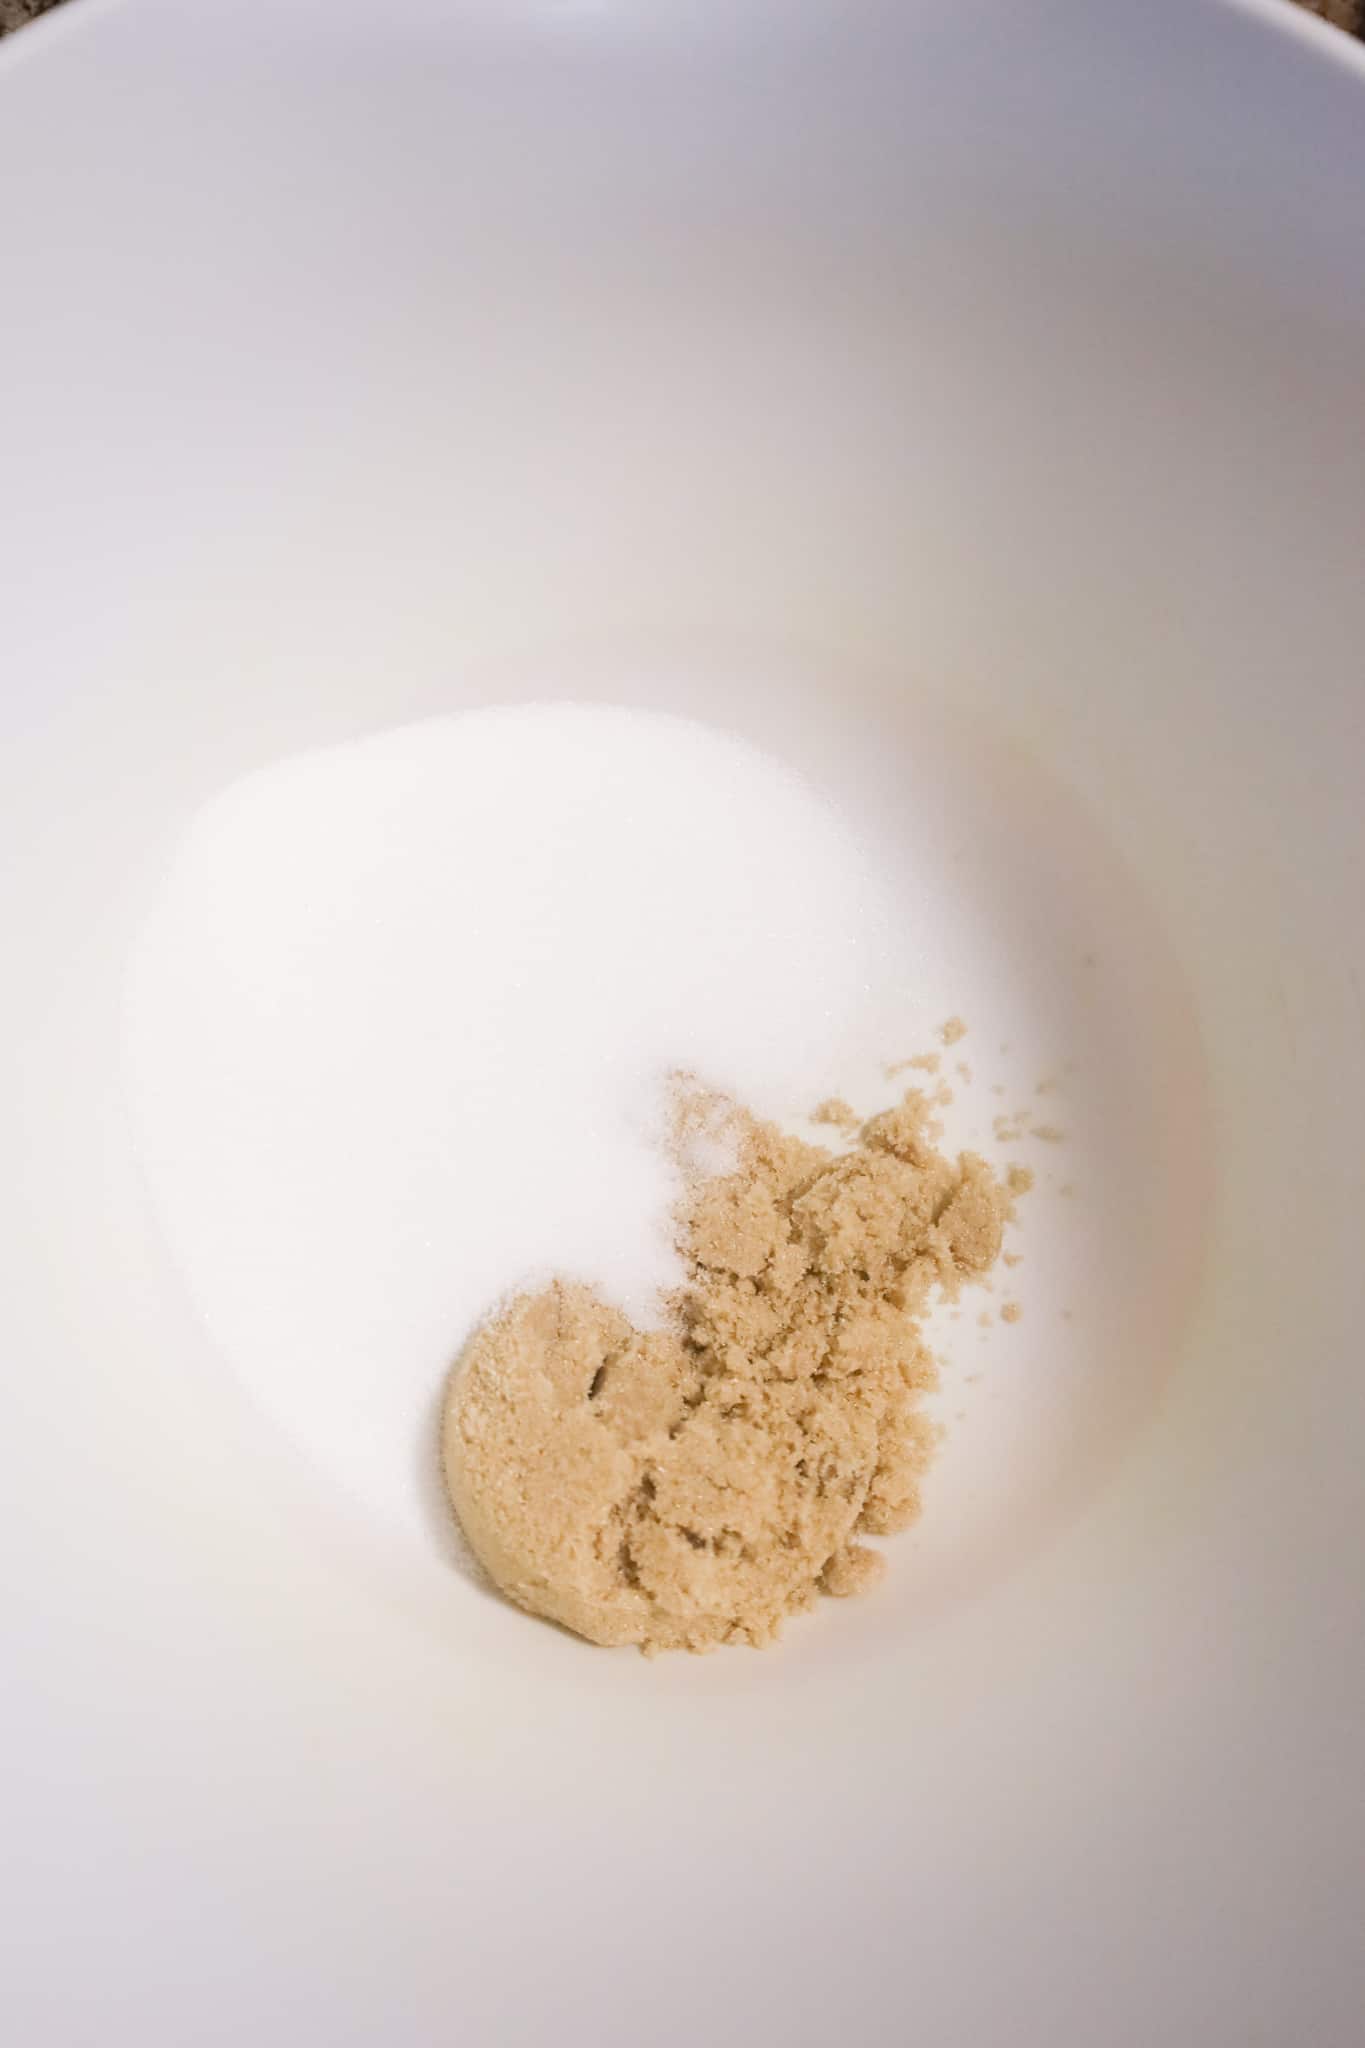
(962, 403)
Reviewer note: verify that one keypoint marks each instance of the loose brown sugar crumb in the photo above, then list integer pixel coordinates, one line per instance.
(1011, 1312)
(1011, 1258)
(952, 1031)
(920, 1062)
(1019, 1179)
(964, 1071)
(853, 1570)
(1049, 1133)
(1009, 1129)
(693, 1486)
(834, 1110)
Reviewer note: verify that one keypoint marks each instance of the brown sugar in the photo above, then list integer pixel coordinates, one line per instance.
(695, 1485)
(921, 1062)
(835, 1111)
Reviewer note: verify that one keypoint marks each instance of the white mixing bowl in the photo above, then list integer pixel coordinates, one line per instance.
(964, 391)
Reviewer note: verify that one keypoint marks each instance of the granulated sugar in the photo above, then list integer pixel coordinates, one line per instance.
(400, 1024)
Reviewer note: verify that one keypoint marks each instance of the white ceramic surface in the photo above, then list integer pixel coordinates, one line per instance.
(965, 399)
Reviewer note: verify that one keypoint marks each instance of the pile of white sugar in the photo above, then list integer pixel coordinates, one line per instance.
(400, 1024)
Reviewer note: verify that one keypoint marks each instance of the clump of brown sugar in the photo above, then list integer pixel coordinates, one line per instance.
(692, 1486)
